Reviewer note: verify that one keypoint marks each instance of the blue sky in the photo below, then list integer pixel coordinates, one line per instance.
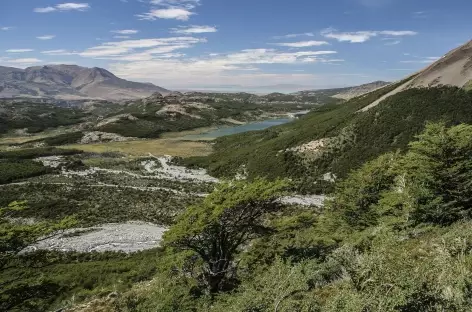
(228, 44)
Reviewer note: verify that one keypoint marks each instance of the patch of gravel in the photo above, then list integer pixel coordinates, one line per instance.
(308, 200)
(51, 161)
(99, 137)
(179, 173)
(127, 237)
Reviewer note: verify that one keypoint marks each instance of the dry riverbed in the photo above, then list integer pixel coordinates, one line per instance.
(126, 237)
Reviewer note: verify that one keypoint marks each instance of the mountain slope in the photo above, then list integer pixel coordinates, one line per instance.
(70, 82)
(453, 69)
(338, 138)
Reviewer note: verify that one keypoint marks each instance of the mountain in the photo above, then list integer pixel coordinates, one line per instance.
(70, 82)
(453, 69)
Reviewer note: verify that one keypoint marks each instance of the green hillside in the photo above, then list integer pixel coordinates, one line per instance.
(353, 137)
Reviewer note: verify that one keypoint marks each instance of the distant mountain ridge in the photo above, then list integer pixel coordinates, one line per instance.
(71, 82)
(347, 92)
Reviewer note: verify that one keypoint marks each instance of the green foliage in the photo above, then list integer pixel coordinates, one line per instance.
(14, 238)
(12, 170)
(63, 139)
(225, 221)
(282, 287)
(355, 198)
(397, 120)
(468, 86)
(30, 153)
(37, 117)
(438, 172)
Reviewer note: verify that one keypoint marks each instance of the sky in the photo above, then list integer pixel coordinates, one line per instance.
(275, 45)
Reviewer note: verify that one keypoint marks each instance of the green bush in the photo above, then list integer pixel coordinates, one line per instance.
(12, 170)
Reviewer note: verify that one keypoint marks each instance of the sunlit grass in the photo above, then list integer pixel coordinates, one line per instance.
(156, 147)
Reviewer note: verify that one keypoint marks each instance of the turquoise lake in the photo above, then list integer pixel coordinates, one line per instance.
(239, 129)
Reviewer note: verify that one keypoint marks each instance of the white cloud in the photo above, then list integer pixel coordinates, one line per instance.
(170, 9)
(69, 6)
(180, 14)
(303, 44)
(58, 52)
(24, 61)
(308, 34)
(189, 4)
(121, 48)
(216, 68)
(398, 33)
(47, 37)
(44, 10)
(121, 37)
(73, 6)
(19, 50)
(394, 42)
(193, 29)
(363, 36)
(5, 28)
(125, 31)
(422, 60)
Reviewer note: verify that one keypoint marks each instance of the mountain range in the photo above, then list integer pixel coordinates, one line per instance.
(70, 82)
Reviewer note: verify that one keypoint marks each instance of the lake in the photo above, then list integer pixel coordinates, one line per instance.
(253, 126)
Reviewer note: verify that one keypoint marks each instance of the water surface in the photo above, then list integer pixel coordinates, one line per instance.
(261, 125)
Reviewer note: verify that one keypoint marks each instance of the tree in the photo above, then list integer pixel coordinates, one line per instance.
(14, 239)
(217, 228)
(355, 197)
(438, 168)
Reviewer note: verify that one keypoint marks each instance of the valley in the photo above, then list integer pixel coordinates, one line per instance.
(223, 201)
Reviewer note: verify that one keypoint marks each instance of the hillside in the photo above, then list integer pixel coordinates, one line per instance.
(453, 69)
(97, 121)
(337, 139)
(70, 82)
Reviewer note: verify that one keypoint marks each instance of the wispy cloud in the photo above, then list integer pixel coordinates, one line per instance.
(308, 34)
(69, 6)
(171, 13)
(392, 42)
(421, 60)
(125, 31)
(419, 14)
(170, 9)
(193, 29)
(363, 36)
(46, 37)
(303, 44)
(218, 69)
(19, 50)
(5, 28)
(58, 52)
(23, 61)
(121, 48)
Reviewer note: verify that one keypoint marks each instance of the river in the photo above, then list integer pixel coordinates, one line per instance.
(253, 126)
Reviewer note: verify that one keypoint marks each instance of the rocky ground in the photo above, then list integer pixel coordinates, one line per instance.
(126, 237)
